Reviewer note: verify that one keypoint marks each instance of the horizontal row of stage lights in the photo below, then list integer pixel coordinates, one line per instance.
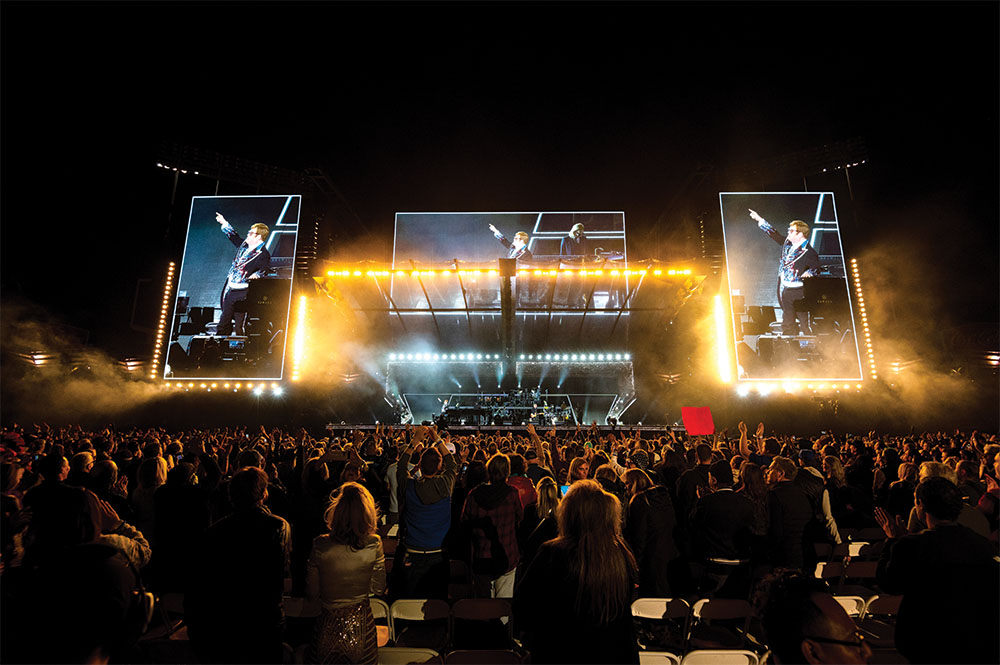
(536, 357)
(492, 272)
(766, 388)
(255, 388)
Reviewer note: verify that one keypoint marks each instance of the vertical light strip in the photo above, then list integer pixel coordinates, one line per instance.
(873, 370)
(721, 346)
(168, 288)
(299, 343)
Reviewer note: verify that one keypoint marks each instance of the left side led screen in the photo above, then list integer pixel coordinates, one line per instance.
(230, 317)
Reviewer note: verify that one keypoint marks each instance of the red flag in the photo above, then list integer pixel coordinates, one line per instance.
(697, 420)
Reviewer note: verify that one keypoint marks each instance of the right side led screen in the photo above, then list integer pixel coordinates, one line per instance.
(791, 307)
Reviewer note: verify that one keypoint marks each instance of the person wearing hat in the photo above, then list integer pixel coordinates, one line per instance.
(575, 243)
(535, 471)
(720, 524)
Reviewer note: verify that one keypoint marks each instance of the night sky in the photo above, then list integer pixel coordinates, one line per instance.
(508, 106)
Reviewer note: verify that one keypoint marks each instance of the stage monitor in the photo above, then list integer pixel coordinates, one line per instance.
(788, 287)
(230, 317)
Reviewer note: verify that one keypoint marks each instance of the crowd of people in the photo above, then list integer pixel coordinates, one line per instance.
(571, 525)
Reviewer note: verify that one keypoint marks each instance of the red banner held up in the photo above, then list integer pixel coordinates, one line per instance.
(697, 420)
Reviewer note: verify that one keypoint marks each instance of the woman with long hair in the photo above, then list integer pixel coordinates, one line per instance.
(547, 527)
(650, 521)
(345, 567)
(573, 603)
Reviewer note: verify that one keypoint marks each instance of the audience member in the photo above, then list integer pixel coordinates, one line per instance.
(948, 577)
(573, 604)
(345, 567)
(493, 513)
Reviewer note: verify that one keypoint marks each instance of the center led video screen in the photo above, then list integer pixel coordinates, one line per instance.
(230, 316)
(788, 290)
(457, 240)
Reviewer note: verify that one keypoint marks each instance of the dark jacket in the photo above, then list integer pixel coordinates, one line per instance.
(948, 578)
(721, 526)
(233, 606)
(790, 512)
(649, 530)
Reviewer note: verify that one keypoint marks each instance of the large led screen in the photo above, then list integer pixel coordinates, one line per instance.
(791, 306)
(230, 316)
(478, 239)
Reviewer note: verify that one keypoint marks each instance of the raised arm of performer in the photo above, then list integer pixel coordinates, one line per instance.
(767, 228)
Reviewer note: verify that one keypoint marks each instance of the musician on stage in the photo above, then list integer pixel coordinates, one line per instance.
(517, 249)
(575, 243)
(252, 259)
(798, 261)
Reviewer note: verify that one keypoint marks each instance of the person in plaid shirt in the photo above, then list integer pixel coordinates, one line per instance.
(492, 513)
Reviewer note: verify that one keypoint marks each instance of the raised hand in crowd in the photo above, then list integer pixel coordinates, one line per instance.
(892, 526)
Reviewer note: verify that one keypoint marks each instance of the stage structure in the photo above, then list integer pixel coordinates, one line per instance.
(467, 336)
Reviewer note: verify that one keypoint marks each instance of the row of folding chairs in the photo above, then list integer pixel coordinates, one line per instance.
(433, 623)
(408, 655)
(711, 623)
(701, 657)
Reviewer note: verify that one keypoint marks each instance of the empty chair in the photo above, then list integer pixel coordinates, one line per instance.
(661, 623)
(481, 623)
(858, 579)
(878, 620)
(483, 657)
(658, 658)
(719, 623)
(719, 657)
(853, 605)
(420, 623)
(407, 655)
(380, 611)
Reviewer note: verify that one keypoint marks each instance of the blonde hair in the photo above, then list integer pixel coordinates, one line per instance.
(800, 226)
(522, 235)
(352, 516)
(548, 496)
(262, 230)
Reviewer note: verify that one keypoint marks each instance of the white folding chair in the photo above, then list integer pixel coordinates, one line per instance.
(707, 610)
(658, 658)
(405, 655)
(719, 657)
(853, 605)
(422, 609)
(662, 614)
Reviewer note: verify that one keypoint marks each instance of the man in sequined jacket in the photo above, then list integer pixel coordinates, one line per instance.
(252, 258)
(798, 261)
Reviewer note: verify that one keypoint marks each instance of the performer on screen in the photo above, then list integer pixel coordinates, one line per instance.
(252, 258)
(517, 249)
(798, 261)
(575, 243)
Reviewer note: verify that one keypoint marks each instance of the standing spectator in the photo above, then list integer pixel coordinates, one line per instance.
(546, 527)
(580, 585)
(850, 505)
(233, 605)
(649, 531)
(721, 526)
(948, 577)
(345, 567)
(425, 518)
(789, 511)
(899, 499)
(493, 512)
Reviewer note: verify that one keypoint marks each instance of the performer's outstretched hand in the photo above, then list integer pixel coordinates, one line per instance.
(761, 222)
(220, 219)
(494, 229)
